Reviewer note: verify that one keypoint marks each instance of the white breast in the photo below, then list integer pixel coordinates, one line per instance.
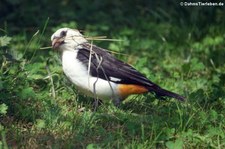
(78, 74)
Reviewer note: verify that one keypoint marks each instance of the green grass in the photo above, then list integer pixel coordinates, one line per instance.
(40, 108)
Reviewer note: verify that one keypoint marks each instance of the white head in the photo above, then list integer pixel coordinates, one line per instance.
(66, 39)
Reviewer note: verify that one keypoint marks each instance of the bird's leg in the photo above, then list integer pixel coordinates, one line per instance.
(95, 105)
(97, 102)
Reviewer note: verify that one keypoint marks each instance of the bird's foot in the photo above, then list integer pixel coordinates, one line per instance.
(117, 102)
(96, 104)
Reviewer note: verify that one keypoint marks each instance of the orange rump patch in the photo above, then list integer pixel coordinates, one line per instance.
(128, 89)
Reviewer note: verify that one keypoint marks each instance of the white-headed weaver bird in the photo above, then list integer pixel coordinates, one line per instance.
(97, 73)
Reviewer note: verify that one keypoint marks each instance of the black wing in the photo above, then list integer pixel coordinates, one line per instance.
(107, 67)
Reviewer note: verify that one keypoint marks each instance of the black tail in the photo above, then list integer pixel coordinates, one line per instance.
(160, 92)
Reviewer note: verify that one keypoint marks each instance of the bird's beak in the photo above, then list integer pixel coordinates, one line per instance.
(56, 42)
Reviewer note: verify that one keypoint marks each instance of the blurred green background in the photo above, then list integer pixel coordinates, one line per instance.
(181, 48)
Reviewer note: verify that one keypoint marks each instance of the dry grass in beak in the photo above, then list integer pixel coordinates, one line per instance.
(43, 48)
(101, 38)
(94, 38)
(104, 38)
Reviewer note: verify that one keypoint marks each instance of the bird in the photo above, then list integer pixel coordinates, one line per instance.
(99, 74)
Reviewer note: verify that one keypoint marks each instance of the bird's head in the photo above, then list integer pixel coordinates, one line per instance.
(66, 38)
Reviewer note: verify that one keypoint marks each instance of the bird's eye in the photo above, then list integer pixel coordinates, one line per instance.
(63, 33)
